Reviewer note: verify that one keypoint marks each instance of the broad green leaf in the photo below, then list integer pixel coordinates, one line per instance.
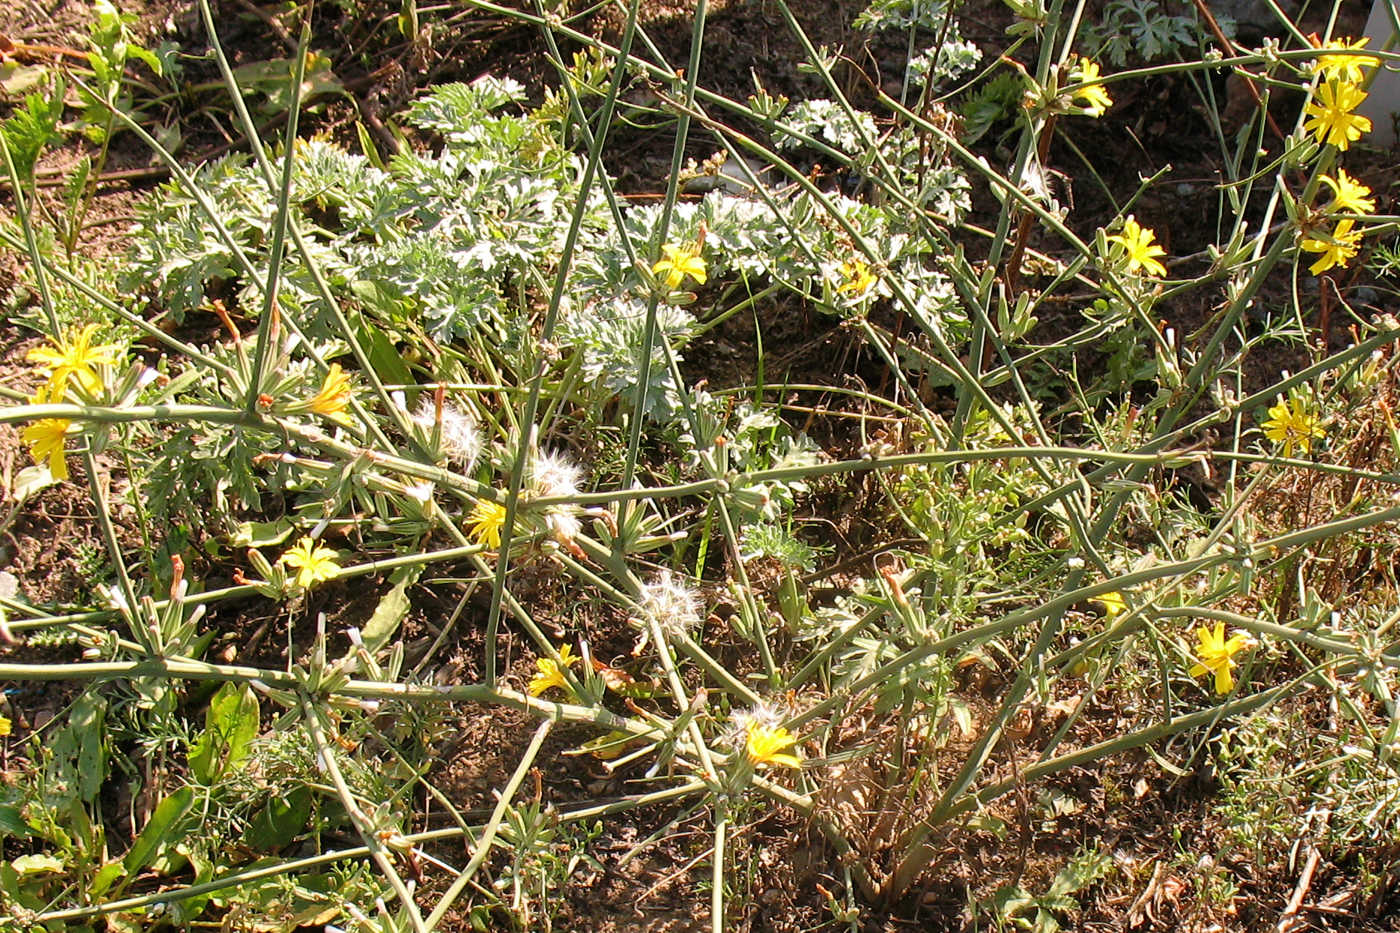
(391, 611)
(229, 729)
(36, 864)
(383, 355)
(12, 822)
(281, 821)
(79, 748)
(261, 534)
(103, 878)
(166, 827)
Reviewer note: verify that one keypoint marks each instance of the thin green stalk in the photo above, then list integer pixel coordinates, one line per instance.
(526, 440)
(31, 242)
(369, 832)
(482, 846)
(269, 315)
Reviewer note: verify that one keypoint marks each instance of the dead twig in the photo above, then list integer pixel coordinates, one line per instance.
(1289, 919)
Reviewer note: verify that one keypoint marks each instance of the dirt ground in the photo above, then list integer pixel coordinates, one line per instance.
(53, 547)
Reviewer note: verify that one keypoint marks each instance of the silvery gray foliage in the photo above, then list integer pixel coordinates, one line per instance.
(467, 241)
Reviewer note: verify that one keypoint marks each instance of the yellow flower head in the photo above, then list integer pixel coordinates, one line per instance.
(1336, 249)
(486, 518)
(551, 672)
(45, 440)
(1093, 95)
(764, 745)
(1113, 604)
(677, 262)
(1330, 114)
(856, 278)
(335, 394)
(314, 562)
(6, 727)
(1345, 66)
(1139, 244)
(1348, 194)
(73, 355)
(1216, 655)
(1292, 425)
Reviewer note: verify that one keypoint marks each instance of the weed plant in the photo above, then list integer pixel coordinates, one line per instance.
(458, 374)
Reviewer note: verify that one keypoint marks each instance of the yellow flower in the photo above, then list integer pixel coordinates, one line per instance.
(679, 262)
(1215, 654)
(334, 395)
(1292, 427)
(5, 726)
(551, 672)
(73, 355)
(1094, 95)
(1346, 66)
(487, 517)
(1331, 114)
(314, 563)
(1348, 194)
(1137, 242)
(1335, 250)
(856, 278)
(45, 440)
(1112, 603)
(765, 746)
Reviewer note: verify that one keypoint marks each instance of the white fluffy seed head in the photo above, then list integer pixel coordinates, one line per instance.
(670, 603)
(563, 525)
(736, 733)
(458, 437)
(554, 475)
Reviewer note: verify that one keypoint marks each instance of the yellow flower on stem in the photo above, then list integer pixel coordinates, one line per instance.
(1138, 242)
(1292, 427)
(1336, 249)
(765, 744)
(1113, 604)
(6, 727)
(1216, 655)
(487, 517)
(856, 278)
(73, 355)
(678, 262)
(45, 440)
(335, 394)
(550, 673)
(314, 562)
(1348, 194)
(1330, 114)
(1345, 66)
(1093, 95)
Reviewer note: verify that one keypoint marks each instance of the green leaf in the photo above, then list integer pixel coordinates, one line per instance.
(280, 822)
(261, 534)
(12, 822)
(104, 877)
(166, 827)
(33, 127)
(80, 751)
(36, 864)
(383, 356)
(229, 729)
(391, 611)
